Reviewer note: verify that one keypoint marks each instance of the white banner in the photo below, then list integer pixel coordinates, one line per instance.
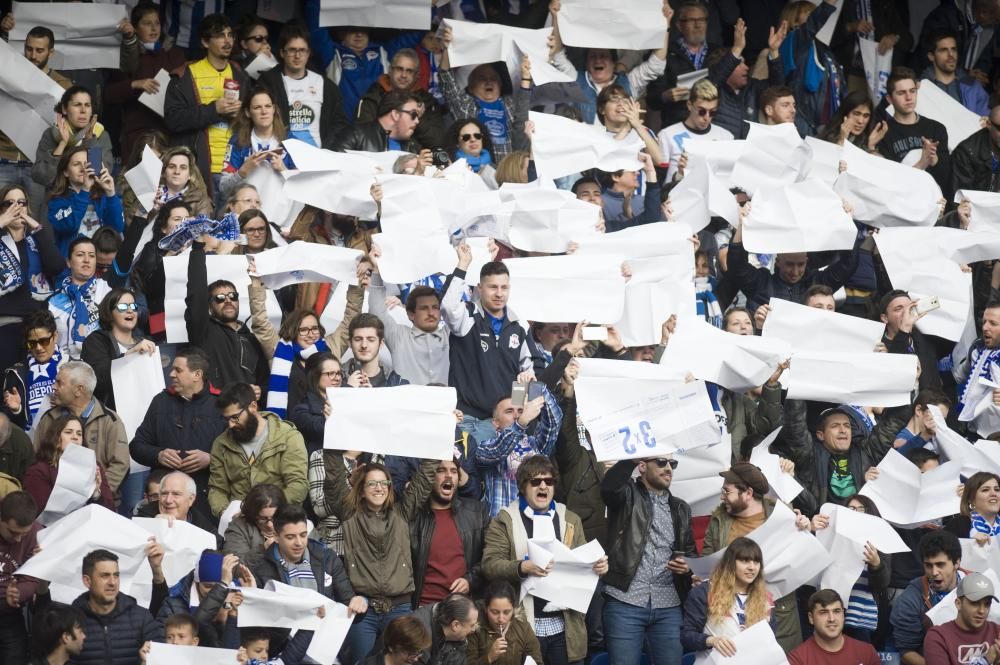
(627, 24)
(877, 67)
(907, 497)
(567, 288)
(86, 34)
(399, 14)
(300, 262)
(806, 216)
(27, 100)
(479, 43)
(76, 481)
(562, 146)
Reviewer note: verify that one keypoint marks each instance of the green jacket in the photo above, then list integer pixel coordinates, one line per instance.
(507, 545)
(786, 613)
(377, 545)
(580, 474)
(282, 461)
(521, 642)
(746, 416)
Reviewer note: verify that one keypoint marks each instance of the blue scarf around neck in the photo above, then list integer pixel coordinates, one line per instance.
(484, 159)
(81, 310)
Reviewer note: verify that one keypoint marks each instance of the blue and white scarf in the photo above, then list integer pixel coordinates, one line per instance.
(11, 274)
(980, 525)
(40, 382)
(286, 353)
(84, 317)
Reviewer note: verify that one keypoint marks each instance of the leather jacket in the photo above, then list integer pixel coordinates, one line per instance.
(369, 137)
(471, 519)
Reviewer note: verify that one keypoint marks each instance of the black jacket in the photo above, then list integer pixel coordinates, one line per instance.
(16, 453)
(369, 137)
(308, 416)
(115, 638)
(99, 349)
(630, 513)
(972, 164)
(738, 106)
(332, 120)
(678, 63)
(181, 424)
(236, 355)
(471, 519)
(327, 568)
(443, 651)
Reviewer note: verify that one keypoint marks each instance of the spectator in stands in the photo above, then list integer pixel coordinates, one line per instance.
(253, 41)
(57, 635)
(16, 451)
(18, 543)
(703, 105)
(76, 304)
(82, 200)
(450, 621)
(76, 127)
(258, 131)
(974, 162)
(200, 105)
(979, 363)
(397, 117)
(469, 139)
(103, 430)
(322, 370)
(777, 105)
(309, 104)
(147, 270)
(854, 123)
(118, 315)
(970, 634)
(405, 73)
(503, 638)
(181, 180)
(941, 555)
(405, 638)
(688, 52)
(27, 384)
(621, 116)
(40, 478)
(828, 643)
(979, 509)
(252, 530)
(945, 73)
(257, 447)
(177, 495)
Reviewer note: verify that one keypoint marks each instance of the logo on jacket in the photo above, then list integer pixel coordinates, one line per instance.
(349, 64)
(485, 347)
(515, 341)
(373, 55)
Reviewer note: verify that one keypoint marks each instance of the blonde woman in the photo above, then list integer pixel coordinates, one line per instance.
(734, 598)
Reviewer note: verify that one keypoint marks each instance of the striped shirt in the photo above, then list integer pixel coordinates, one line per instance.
(862, 610)
(184, 18)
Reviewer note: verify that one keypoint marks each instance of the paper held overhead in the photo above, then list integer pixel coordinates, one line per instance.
(812, 329)
(806, 216)
(696, 478)
(399, 14)
(300, 262)
(480, 43)
(866, 379)
(775, 155)
(634, 24)
(885, 193)
(567, 288)
(562, 146)
(27, 97)
(907, 497)
(702, 194)
(425, 426)
(86, 35)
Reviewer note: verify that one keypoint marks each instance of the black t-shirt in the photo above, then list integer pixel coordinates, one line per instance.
(901, 139)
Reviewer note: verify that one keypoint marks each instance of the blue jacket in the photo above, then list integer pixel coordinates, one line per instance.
(907, 619)
(645, 210)
(66, 214)
(588, 109)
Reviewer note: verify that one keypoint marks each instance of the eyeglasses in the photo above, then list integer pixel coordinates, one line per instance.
(232, 296)
(372, 484)
(297, 51)
(333, 374)
(255, 230)
(264, 520)
(311, 330)
(41, 342)
(235, 418)
(709, 112)
(696, 21)
(662, 463)
(468, 137)
(126, 307)
(5, 205)
(413, 113)
(260, 39)
(549, 481)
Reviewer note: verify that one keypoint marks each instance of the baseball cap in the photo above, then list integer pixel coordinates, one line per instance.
(832, 410)
(975, 587)
(744, 473)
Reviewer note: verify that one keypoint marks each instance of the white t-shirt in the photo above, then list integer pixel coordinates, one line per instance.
(305, 104)
(672, 141)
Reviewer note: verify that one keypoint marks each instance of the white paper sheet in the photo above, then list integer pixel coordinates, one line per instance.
(980, 558)
(825, 164)
(330, 635)
(309, 158)
(641, 242)
(136, 379)
(946, 611)
(182, 542)
(885, 193)
(344, 193)
(866, 379)
(985, 214)
(981, 456)
(261, 63)
(649, 304)
(783, 484)
(806, 216)
(425, 427)
(961, 246)
(281, 609)
(407, 258)
(825, 33)
(479, 43)
(232, 268)
(300, 262)
(812, 329)
(631, 418)
(86, 34)
(697, 479)
(65, 543)
(156, 102)
(274, 203)
(400, 14)
(571, 582)
(877, 67)
(702, 194)
(776, 155)
(736, 362)
(936, 104)
(546, 220)
(632, 24)
(75, 483)
(756, 645)
(179, 654)
(791, 557)
(905, 496)
(562, 146)
(923, 272)
(720, 155)
(144, 179)
(27, 100)
(567, 288)
(688, 80)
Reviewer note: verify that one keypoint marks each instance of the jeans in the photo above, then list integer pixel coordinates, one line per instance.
(628, 628)
(553, 649)
(483, 430)
(367, 628)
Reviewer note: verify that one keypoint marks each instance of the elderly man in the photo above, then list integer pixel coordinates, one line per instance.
(177, 501)
(103, 430)
(398, 115)
(404, 74)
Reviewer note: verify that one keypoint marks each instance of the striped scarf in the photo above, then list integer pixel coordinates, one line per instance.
(286, 353)
(980, 525)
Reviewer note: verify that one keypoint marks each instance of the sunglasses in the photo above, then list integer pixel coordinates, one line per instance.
(126, 307)
(223, 297)
(662, 463)
(41, 342)
(709, 112)
(468, 137)
(5, 205)
(537, 482)
(260, 39)
(413, 113)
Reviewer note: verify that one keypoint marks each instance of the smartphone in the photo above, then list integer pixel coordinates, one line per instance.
(95, 159)
(518, 393)
(594, 334)
(931, 305)
(535, 389)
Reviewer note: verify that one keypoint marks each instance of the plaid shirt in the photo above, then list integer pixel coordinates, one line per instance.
(500, 456)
